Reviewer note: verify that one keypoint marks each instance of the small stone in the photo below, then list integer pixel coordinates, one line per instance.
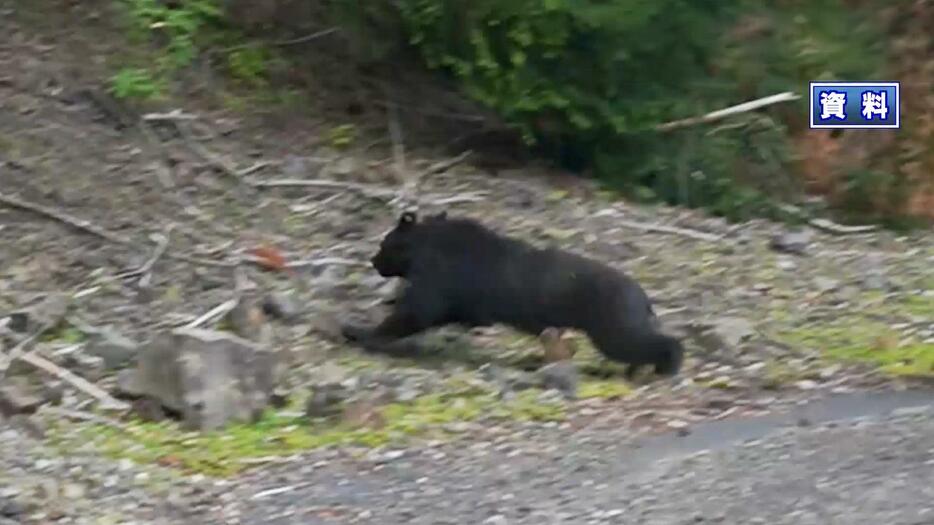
(497, 519)
(47, 312)
(73, 491)
(825, 284)
(875, 281)
(279, 397)
(12, 508)
(281, 305)
(17, 398)
(90, 367)
(725, 333)
(561, 376)
(148, 409)
(326, 400)
(393, 455)
(248, 320)
(721, 382)
(806, 384)
(791, 242)
(680, 427)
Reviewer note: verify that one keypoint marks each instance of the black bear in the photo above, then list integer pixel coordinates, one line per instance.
(458, 271)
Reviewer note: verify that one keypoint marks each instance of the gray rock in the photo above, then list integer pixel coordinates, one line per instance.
(17, 397)
(326, 400)
(281, 305)
(825, 284)
(113, 348)
(248, 320)
(725, 333)
(90, 367)
(561, 376)
(47, 312)
(128, 383)
(210, 378)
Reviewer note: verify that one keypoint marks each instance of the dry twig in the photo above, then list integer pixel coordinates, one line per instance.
(214, 313)
(93, 229)
(79, 415)
(828, 225)
(732, 110)
(62, 217)
(661, 228)
(107, 401)
(175, 114)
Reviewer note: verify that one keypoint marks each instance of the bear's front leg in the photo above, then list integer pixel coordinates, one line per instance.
(416, 311)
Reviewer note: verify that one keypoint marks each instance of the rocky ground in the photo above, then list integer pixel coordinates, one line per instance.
(139, 221)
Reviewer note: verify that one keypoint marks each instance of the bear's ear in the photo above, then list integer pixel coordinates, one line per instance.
(408, 219)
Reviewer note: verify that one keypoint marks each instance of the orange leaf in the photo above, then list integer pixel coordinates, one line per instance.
(269, 258)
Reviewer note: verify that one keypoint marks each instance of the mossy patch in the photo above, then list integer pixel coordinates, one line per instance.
(603, 389)
(279, 433)
(921, 305)
(862, 340)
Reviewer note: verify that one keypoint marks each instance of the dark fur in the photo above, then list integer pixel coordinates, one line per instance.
(460, 272)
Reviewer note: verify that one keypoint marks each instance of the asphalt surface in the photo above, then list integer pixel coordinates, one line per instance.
(868, 471)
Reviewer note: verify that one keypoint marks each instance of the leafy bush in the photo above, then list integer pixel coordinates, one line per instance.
(587, 81)
(180, 32)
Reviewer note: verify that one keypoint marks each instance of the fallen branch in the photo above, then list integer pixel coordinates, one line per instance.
(62, 217)
(732, 110)
(366, 190)
(214, 313)
(209, 156)
(89, 227)
(146, 269)
(828, 225)
(408, 182)
(326, 261)
(162, 170)
(476, 196)
(17, 351)
(474, 119)
(445, 165)
(175, 114)
(78, 415)
(307, 38)
(693, 234)
(841, 229)
(107, 401)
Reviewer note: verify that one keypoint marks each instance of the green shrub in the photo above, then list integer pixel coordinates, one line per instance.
(587, 81)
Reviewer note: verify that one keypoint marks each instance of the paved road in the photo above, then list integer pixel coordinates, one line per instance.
(868, 472)
(877, 471)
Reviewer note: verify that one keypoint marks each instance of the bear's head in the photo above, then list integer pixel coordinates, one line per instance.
(394, 258)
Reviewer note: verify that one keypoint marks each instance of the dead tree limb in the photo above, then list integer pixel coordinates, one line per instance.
(726, 112)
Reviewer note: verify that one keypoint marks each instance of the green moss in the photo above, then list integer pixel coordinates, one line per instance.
(861, 340)
(777, 374)
(918, 305)
(223, 452)
(603, 389)
(914, 360)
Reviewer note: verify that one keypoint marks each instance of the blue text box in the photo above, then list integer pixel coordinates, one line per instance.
(862, 105)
